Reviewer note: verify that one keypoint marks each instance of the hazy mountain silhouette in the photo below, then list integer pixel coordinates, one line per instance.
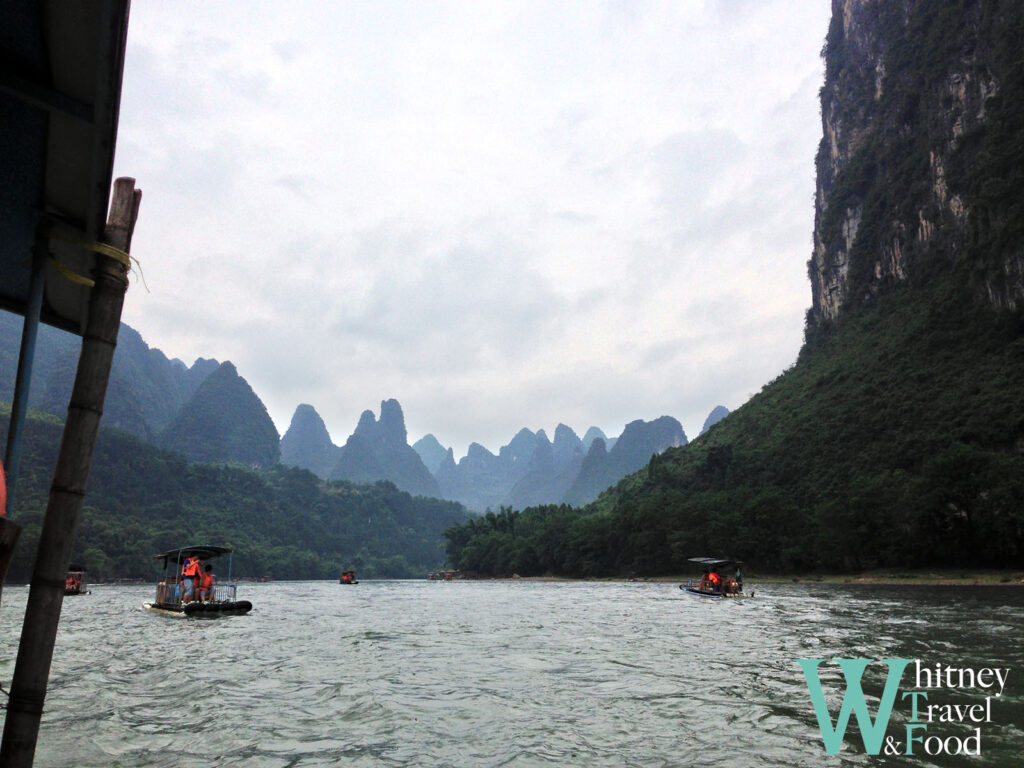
(307, 443)
(718, 413)
(639, 441)
(379, 450)
(224, 421)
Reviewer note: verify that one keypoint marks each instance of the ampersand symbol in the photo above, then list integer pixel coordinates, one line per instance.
(892, 746)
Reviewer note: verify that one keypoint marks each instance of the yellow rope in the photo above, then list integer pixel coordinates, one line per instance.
(123, 257)
(74, 277)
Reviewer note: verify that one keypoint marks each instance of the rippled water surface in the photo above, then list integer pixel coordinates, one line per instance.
(418, 673)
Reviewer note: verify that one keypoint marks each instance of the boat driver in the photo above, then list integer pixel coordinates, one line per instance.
(190, 571)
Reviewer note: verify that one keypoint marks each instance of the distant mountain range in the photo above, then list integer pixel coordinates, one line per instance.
(530, 470)
(208, 412)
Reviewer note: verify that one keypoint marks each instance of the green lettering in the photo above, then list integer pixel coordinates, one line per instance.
(871, 733)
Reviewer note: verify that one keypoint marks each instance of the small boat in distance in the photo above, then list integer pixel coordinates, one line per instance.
(75, 583)
(348, 577)
(443, 575)
(722, 578)
(170, 589)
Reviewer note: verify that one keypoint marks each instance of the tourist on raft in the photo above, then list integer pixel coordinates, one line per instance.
(190, 571)
(703, 586)
(206, 585)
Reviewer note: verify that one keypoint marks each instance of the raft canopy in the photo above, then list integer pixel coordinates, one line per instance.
(714, 562)
(179, 555)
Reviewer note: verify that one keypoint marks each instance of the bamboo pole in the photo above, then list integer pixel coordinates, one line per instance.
(67, 492)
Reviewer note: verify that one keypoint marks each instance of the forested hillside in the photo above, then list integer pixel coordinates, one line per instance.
(895, 443)
(897, 438)
(145, 392)
(282, 523)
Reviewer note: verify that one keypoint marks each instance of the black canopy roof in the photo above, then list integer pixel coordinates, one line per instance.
(713, 562)
(203, 552)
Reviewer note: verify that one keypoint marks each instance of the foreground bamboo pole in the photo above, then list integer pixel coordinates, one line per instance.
(67, 492)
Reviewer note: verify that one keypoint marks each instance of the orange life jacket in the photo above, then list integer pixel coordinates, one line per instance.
(191, 567)
(206, 582)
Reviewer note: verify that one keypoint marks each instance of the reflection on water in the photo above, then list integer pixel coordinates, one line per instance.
(418, 673)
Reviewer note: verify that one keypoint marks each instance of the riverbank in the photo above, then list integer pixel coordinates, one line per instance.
(905, 576)
(951, 577)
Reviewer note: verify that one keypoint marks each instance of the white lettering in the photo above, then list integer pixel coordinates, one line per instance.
(1001, 676)
(957, 677)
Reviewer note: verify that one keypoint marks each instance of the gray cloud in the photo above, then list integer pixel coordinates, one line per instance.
(504, 214)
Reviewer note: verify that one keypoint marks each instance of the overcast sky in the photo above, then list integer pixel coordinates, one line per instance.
(502, 214)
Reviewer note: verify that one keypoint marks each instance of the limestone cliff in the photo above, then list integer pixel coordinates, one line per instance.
(307, 443)
(921, 110)
(379, 450)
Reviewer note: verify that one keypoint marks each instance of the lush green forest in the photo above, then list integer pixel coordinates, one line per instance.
(896, 442)
(282, 523)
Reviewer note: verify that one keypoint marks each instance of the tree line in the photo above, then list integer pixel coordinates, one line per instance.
(283, 523)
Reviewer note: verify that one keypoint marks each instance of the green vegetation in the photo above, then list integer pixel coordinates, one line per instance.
(282, 523)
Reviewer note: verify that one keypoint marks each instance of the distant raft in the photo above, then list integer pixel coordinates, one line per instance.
(722, 578)
(449, 575)
(75, 583)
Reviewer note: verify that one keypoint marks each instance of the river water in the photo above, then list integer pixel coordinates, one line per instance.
(523, 673)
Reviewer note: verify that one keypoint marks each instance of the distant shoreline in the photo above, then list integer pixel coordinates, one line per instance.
(928, 577)
(932, 578)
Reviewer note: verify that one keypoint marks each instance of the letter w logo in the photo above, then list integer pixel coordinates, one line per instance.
(871, 734)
